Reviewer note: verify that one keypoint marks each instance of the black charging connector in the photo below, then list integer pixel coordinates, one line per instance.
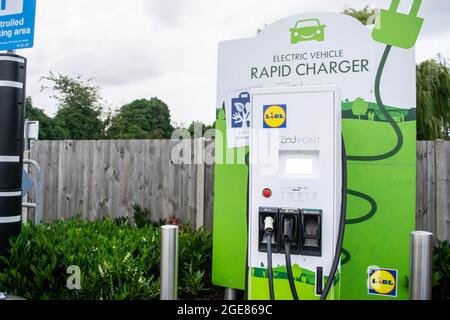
(264, 213)
(268, 240)
(289, 222)
(311, 232)
(289, 230)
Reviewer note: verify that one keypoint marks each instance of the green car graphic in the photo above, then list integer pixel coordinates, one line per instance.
(307, 30)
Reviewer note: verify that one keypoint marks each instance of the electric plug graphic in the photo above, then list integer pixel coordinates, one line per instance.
(398, 29)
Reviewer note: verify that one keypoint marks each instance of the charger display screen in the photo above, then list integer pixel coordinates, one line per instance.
(299, 166)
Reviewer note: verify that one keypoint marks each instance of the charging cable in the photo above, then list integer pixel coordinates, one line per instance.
(340, 240)
(288, 236)
(268, 229)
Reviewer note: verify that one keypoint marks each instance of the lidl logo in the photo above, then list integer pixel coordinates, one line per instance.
(383, 282)
(275, 116)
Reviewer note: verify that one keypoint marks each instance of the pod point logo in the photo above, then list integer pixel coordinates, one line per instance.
(383, 282)
(275, 116)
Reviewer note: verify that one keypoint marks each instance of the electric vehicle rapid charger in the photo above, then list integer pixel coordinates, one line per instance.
(381, 138)
(296, 188)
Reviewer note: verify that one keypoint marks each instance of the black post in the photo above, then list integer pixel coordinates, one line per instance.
(12, 118)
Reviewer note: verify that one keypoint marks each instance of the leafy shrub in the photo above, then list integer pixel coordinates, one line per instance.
(140, 216)
(117, 261)
(441, 271)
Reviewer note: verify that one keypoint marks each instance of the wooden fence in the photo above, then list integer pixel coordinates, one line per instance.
(433, 188)
(105, 178)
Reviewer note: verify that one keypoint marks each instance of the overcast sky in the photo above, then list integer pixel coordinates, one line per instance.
(168, 48)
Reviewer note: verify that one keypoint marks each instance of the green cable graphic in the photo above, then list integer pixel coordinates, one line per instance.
(386, 114)
(372, 211)
(393, 152)
(347, 256)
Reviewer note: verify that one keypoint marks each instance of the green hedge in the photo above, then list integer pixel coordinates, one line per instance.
(441, 271)
(117, 261)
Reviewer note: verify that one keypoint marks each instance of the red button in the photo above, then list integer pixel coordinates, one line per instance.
(267, 193)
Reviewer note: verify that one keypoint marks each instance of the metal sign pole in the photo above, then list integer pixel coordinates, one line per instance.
(12, 117)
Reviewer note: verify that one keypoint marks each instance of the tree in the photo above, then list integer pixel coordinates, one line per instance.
(141, 119)
(366, 15)
(47, 128)
(433, 100)
(35, 114)
(360, 107)
(79, 108)
(197, 124)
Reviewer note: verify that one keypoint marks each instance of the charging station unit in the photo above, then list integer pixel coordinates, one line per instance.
(345, 209)
(295, 180)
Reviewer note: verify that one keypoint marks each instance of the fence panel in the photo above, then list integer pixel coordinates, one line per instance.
(433, 188)
(105, 178)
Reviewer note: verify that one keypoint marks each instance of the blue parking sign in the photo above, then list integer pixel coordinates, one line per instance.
(27, 183)
(17, 18)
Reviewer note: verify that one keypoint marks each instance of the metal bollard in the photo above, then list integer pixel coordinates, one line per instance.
(169, 263)
(230, 294)
(421, 260)
(5, 297)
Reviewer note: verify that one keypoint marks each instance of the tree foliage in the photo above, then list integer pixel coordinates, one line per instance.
(433, 100)
(365, 15)
(141, 119)
(47, 129)
(80, 114)
(79, 108)
(197, 129)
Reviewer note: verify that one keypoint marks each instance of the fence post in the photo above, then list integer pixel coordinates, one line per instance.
(442, 190)
(421, 265)
(169, 263)
(199, 147)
